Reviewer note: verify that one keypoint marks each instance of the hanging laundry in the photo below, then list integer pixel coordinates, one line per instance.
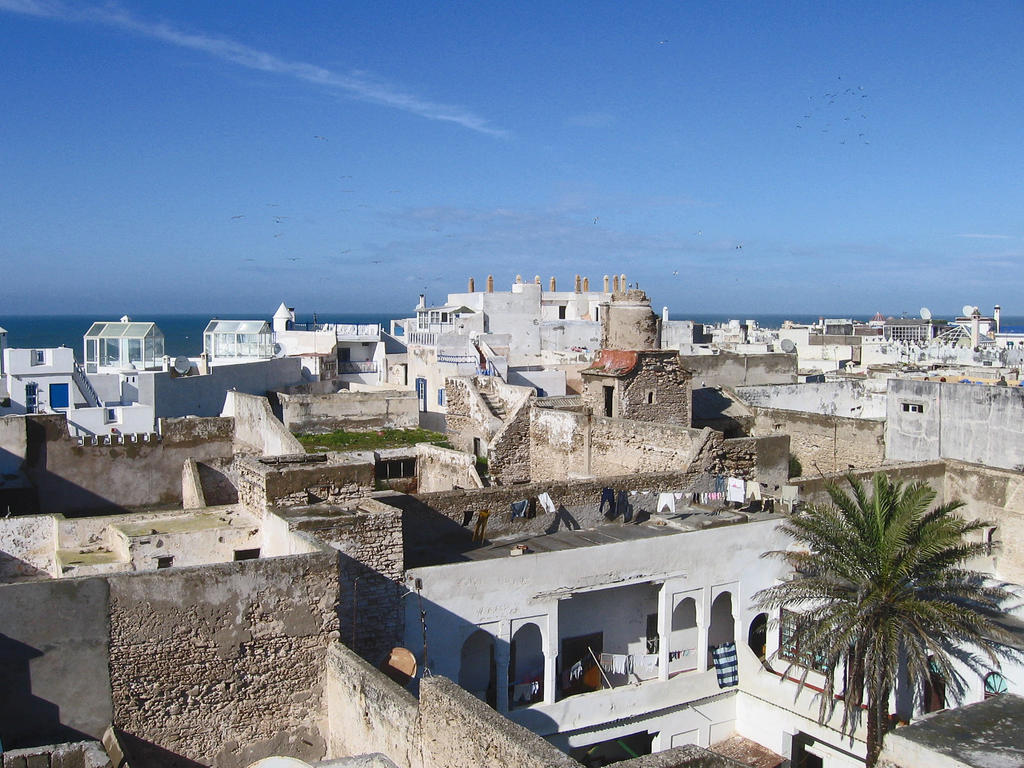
(624, 506)
(645, 664)
(547, 503)
(674, 655)
(466, 517)
(607, 497)
(620, 663)
(519, 508)
(481, 525)
(726, 664)
(607, 662)
(576, 671)
(666, 501)
(753, 490)
(736, 489)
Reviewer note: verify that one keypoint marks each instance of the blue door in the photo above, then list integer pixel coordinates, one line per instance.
(59, 396)
(421, 393)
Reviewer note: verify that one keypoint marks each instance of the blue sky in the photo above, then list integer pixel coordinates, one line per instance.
(780, 157)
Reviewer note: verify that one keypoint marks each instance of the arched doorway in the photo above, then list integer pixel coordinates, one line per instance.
(477, 671)
(722, 627)
(526, 667)
(757, 635)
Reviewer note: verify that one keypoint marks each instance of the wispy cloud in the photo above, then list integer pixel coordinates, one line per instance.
(354, 84)
(976, 236)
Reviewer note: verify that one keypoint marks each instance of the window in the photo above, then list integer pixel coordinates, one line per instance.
(561, 312)
(650, 398)
(165, 562)
(913, 407)
(789, 643)
(31, 397)
(110, 416)
(395, 468)
(38, 357)
(994, 684)
(135, 351)
(440, 396)
(59, 396)
(90, 350)
(247, 554)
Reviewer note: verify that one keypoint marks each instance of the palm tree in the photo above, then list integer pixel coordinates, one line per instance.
(882, 589)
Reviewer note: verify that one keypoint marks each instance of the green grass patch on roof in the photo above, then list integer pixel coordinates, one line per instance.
(373, 440)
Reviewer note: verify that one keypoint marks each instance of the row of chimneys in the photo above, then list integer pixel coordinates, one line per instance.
(618, 283)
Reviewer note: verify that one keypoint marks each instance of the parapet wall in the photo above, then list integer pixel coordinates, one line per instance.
(74, 479)
(823, 442)
(320, 413)
(731, 370)
(301, 479)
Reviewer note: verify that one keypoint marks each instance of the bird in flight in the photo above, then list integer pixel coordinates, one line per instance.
(240, 216)
(662, 42)
(294, 258)
(322, 138)
(596, 218)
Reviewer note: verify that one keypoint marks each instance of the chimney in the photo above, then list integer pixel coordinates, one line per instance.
(586, 285)
(552, 288)
(995, 315)
(615, 283)
(423, 301)
(490, 283)
(606, 283)
(472, 285)
(664, 314)
(519, 279)
(622, 282)
(975, 330)
(579, 285)
(536, 279)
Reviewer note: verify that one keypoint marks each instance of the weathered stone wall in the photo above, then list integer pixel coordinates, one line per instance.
(662, 380)
(566, 444)
(28, 547)
(78, 479)
(298, 480)
(316, 413)
(508, 457)
(369, 539)
(764, 459)
(460, 731)
(368, 712)
(826, 443)
(442, 469)
(81, 754)
(728, 369)
(223, 665)
(257, 430)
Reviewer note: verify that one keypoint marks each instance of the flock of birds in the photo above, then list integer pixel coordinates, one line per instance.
(840, 112)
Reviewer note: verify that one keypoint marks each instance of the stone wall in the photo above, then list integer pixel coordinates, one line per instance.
(80, 754)
(812, 489)
(368, 537)
(91, 479)
(655, 389)
(320, 413)
(826, 443)
(28, 547)
(442, 469)
(764, 459)
(460, 731)
(567, 444)
(257, 430)
(223, 665)
(508, 456)
(368, 712)
(298, 480)
(855, 398)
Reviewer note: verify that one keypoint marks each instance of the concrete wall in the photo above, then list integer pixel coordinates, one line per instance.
(53, 662)
(825, 443)
(442, 469)
(966, 422)
(223, 665)
(812, 489)
(730, 370)
(388, 409)
(298, 480)
(257, 429)
(851, 398)
(75, 479)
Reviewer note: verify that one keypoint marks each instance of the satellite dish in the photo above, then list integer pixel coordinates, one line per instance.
(926, 314)
(967, 309)
(788, 346)
(278, 350)
(182, 365)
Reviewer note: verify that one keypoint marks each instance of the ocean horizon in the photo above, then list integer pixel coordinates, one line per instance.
(183, 333)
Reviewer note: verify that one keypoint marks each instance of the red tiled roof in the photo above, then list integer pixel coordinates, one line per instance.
(614, 362)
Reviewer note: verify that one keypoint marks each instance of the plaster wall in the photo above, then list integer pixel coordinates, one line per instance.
(550, 382)
(727, 369)
(570, 335)
(850, 398)
(442, 469)
(316, 413)
(28, 547)
(257, 429)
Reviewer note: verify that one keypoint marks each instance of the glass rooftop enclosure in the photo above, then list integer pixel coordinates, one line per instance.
(123, 345)
(238, 338)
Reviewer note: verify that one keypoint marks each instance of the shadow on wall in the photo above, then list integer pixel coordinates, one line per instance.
(141, 753)
(25, 719)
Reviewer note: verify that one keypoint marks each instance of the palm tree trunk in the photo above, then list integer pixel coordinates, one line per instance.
(878, 719)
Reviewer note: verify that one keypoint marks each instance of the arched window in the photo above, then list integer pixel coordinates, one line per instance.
(477, 671)
(722, 627)
(995, 684)
(757, 635)
(683, 642)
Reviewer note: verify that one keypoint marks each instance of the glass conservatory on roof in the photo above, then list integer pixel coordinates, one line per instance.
(123, 345)
(238, 338)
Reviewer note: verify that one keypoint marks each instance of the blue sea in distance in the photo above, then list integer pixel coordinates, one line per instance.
(183, 334)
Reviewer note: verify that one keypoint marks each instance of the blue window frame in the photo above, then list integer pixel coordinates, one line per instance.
(59, 396)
